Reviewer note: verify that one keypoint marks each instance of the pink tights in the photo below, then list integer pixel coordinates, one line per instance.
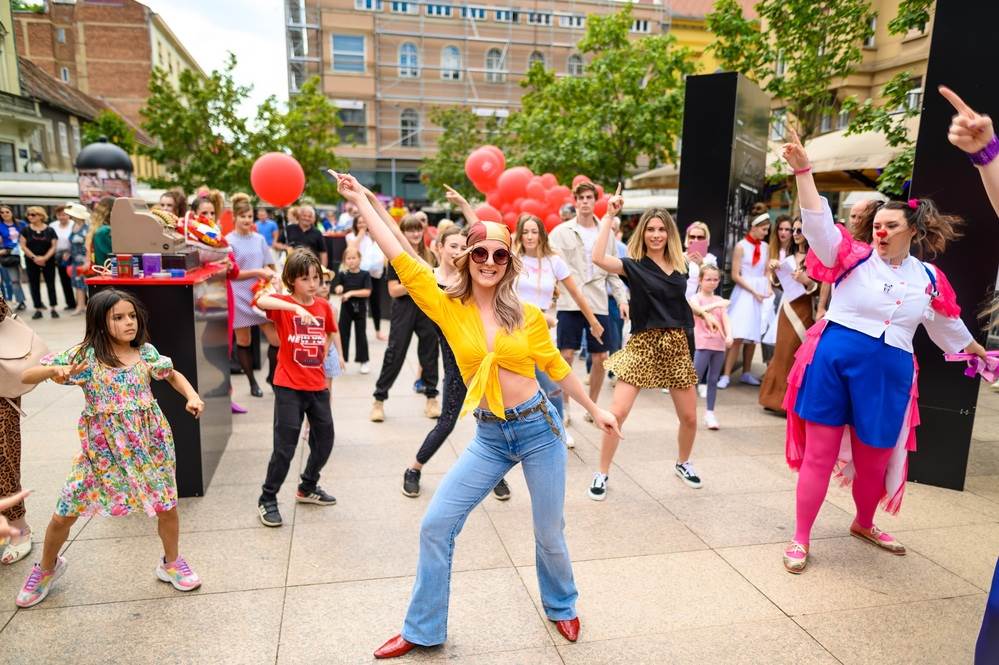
(822, 444)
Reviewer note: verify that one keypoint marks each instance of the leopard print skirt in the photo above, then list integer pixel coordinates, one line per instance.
(10, 455)
(654, 358)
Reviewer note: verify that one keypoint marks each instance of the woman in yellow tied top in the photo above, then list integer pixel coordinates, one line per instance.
(497, 342)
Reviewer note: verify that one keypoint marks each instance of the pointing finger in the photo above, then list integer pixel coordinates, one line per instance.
(959, 105)
(618, 192)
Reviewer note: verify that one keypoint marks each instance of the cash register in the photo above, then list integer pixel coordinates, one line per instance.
(136, 230)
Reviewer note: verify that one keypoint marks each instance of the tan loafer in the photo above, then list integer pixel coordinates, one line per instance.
(793, 563)
(877, 537)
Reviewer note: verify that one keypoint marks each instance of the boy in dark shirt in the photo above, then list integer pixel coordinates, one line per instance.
(304, 234)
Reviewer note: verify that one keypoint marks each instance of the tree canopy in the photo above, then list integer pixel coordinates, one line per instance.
(110, 125)
(462, 131)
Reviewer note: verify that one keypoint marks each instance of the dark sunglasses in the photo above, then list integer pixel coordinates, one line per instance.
(480, 255)
(693, 237)
(796, 231)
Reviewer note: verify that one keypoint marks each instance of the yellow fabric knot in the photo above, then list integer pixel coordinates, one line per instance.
(485, 382)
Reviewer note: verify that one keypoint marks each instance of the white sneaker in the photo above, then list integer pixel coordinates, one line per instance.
(710, 421)
(598, 488)
(723, 382)
(702, 390)
(365, 368)
(665, 391)
(749, 379)
(569, 441)
(688, 475)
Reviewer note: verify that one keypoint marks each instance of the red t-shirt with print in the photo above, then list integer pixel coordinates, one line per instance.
(303, 347)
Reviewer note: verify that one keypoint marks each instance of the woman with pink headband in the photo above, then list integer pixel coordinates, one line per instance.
(497, 342)
(855, 374)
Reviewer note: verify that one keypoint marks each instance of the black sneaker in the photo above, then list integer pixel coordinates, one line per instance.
(411, 482)
(688, 475)
(502, 490)
(269, 515)
(55, 314)
(37, 315)
(20, 307)
(316, 496)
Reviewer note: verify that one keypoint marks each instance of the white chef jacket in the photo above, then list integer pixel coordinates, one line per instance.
(877, 298)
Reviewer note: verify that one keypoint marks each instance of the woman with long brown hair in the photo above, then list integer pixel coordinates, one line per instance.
(795, 317)
(498, 342)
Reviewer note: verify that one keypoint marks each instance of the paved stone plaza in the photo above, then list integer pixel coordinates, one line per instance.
(666, 574)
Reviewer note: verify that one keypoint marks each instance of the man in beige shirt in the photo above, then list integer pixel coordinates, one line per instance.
(573, 240)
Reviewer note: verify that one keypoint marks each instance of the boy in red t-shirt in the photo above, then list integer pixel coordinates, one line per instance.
(305, 325)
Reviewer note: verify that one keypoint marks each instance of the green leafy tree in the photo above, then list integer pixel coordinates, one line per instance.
(110, 125)
(804, 47)
(306, 129)
(200, 137)
(462, 131)
(627, 106)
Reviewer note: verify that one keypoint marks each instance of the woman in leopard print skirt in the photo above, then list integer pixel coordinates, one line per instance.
(18, 547)
(657, 355)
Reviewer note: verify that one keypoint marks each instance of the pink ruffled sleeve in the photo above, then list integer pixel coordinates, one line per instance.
(946, 301)
(849, 253)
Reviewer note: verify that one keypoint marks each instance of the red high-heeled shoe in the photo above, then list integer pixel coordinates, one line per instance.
(569, 628)
(395, 647)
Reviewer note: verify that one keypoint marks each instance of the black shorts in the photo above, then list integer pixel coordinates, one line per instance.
(569, 332)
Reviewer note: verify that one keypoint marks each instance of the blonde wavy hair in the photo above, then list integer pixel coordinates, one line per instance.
(674, 246)
(508, 309)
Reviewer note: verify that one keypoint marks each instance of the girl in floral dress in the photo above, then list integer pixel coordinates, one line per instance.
(127, 461)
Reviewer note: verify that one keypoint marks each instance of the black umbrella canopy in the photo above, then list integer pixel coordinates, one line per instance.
(103, 155)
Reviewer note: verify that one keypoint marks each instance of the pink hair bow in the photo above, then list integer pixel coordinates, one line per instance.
(988, 367)
(913, 203)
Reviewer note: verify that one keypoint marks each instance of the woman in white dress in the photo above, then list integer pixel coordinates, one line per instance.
(745, 310)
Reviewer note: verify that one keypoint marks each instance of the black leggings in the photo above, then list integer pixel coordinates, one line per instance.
(354, 311)
(375, 299)
(407, 319)
(454, 397)
(35, 274)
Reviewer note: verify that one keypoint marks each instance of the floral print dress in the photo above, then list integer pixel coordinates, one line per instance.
(127, 461)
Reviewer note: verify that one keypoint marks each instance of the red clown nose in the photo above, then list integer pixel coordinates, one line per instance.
(881, 234)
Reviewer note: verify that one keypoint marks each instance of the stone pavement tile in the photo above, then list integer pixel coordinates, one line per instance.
(927, 507)
(112, 570)
(920, 633)
(238, 628)
(731, 520)
(40, 505)
(604, 530)
(983, 486)
(50, 445)
(354, 429)
(983, 458)
(361, 499)
(577, 481)
(635, 596)
(986, 428)
(969, 551)
(489, 611)
(362, 550)
(775, 642)
(720, 475)
(388, 458)
(844, 573)
(224, 507)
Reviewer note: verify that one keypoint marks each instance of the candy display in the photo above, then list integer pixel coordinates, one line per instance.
(200, 231)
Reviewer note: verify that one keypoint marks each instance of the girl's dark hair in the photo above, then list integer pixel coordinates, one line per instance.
(179, 200)
(412, 223)
(933, 228)
(98, 337)
(298, 264)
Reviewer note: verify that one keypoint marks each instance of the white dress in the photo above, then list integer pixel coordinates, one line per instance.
(744, 310)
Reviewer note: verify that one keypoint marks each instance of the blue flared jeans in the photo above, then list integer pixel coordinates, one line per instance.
(535, 439)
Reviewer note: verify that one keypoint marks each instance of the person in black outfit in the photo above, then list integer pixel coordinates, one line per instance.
(38, 243)
(353, 285)
(303, 234)
(406, 319)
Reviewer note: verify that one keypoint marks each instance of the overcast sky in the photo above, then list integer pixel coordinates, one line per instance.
(252, 29)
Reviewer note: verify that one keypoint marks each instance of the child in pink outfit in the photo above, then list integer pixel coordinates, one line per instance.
(709, 355)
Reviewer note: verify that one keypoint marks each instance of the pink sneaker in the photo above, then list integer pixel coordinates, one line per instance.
(36, 588)
(179, 574)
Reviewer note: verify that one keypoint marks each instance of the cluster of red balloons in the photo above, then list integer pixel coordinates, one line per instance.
(515, 191)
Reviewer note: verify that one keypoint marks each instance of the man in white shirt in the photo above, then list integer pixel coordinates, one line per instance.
(573, 240)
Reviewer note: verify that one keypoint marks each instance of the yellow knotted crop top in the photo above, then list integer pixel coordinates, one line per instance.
(461, 324)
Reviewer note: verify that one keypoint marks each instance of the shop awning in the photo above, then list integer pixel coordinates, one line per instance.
(54, 189)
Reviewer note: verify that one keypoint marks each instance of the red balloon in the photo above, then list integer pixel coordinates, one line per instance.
(277, 178)
(555, 196)
(578, 179)
(510, 219)
(600, 207)
(551, 221)
(482, 168)
(487, 213)
(549, 180)
(518, 204)
(534, 207)
(495, 200)
(507, 208)
(512, 183)
(535, 189)
(600, 191)
(496, 152)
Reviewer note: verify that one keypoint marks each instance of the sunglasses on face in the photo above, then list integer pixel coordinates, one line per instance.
(693, 237)
(480, 255)
(796, 232)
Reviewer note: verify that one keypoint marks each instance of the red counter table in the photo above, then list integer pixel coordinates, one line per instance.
(188, 322)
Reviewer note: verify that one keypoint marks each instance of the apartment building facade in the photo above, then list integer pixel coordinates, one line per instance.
(387, 63)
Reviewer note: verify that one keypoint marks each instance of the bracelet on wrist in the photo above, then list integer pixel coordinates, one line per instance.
(803, 171)
(985, 156)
